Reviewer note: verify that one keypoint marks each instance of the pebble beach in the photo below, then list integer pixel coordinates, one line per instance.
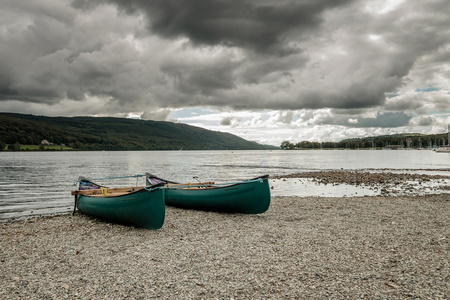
(379, 247)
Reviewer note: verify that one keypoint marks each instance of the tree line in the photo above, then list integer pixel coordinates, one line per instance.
(378, 142)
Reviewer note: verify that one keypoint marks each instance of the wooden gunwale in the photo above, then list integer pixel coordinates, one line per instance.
(110, 191)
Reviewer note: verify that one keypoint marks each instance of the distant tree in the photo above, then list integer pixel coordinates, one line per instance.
(2, 146)
(41, 147)
(286, 145)
(77, 145)
(14, 147)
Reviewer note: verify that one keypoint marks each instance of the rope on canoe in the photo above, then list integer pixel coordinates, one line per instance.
(154, 188)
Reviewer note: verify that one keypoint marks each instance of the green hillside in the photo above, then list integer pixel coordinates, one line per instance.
(92, 133)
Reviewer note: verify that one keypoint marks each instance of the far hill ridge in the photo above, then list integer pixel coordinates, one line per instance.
(107, 133)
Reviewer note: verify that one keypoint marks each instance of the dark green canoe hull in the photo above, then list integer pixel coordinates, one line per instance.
(143, 208)
(251, 197)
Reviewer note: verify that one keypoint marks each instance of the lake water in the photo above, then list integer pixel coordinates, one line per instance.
(39, 183)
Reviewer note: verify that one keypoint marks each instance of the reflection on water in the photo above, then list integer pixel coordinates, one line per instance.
(39, 183)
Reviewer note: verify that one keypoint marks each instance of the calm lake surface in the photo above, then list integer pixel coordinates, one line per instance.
(39, 183)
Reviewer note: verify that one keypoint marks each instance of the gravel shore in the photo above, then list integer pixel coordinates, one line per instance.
(301, 248)
(387, 183)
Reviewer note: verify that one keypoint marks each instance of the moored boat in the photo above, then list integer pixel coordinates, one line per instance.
(137, 206)
(246, 197)
(445, 149)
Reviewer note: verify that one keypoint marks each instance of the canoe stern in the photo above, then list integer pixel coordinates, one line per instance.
(143, 208)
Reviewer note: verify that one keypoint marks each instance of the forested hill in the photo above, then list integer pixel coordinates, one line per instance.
(93, 133)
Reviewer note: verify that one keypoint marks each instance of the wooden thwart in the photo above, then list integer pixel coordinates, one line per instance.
(109, 190)
(190, 186)
(193, 184)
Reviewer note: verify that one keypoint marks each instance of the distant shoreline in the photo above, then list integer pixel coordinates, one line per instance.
(35, 148)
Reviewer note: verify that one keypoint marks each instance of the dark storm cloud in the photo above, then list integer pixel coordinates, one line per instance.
(19, 52)
(381, 120)
(403, 104)
(423, 121)
(46, 58)
(262, 26)
(385, 120)
(203, 77)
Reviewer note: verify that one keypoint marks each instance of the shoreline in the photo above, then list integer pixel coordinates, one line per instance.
(382, 247)
(326, 183)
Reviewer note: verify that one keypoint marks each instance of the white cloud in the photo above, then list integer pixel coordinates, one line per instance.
(156, 115)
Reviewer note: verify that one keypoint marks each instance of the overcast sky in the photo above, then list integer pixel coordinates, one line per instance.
(265, 70)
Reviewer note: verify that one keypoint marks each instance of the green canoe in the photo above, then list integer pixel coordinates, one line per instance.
(137, 206)
(246, 197)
